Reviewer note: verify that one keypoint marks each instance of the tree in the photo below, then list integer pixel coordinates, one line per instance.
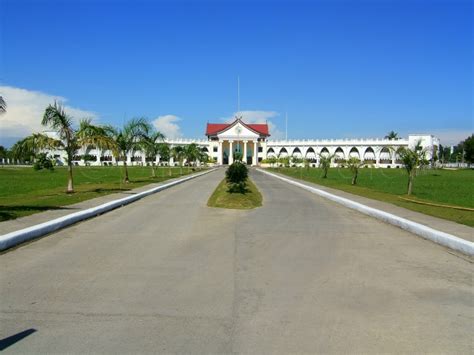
(128, 139)
(236, 177)
(178, 153)
(295, 161)
(467, 146)
(354, 164)
(3, 105)
(325, 163)
(192, 153)
(412, 159)
(392, 135)
(70, 139)
(165, 153)
(151, 145)
(272, 160)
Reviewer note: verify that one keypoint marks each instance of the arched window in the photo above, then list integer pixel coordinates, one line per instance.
(283, 152)
(339, 155)
(324, 152)
(354, 153)
(369, 155)
(297, 153)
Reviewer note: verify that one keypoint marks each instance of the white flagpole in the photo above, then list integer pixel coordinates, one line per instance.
(238, 95)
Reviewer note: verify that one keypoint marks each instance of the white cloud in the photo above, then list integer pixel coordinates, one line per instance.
(25, 110)
(167, 125)
(260, 117)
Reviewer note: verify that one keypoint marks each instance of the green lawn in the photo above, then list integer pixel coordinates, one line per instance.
(222, 198)
(444, 187)
(24, 191)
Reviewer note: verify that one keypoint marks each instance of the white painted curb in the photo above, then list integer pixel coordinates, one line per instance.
(448, 240)
(14, 238)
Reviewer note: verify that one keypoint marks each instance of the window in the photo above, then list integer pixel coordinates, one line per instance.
(214, 149)
(260, 149)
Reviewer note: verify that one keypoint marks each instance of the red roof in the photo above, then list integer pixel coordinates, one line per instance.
(214, 128)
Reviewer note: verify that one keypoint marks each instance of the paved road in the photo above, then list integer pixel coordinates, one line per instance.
(301, 274)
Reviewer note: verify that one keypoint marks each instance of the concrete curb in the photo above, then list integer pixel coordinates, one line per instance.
(439, 237)
(14, 238)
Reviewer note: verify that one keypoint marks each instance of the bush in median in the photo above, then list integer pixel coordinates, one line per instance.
(236, 176)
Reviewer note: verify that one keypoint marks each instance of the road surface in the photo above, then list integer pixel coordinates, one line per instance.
(167, 274)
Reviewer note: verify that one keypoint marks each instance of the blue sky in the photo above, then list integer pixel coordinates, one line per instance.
(339, 68)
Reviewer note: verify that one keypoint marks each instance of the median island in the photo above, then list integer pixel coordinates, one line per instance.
(236, 191)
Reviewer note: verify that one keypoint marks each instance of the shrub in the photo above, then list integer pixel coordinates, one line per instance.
(43, 162)
(236, 176)
(236, 173)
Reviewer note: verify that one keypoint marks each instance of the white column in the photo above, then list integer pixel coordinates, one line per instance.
(129, 159)
(97, 158)
(244, 159)
(231, 152)
(255, 152)
(219, 153)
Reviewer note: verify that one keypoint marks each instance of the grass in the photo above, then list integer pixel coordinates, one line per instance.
(24, 191)
(441, 187)
(223, 198)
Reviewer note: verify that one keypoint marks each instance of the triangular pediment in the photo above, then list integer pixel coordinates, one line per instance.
(238, 130)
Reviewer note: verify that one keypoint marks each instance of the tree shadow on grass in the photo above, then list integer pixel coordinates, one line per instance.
(13, 212)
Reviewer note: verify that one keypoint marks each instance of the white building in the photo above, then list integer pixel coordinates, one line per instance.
(225, 140)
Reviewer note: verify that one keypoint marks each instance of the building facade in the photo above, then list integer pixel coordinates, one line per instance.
(252, 143)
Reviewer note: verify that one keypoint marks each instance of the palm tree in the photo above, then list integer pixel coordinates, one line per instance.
(165, 153)
(69, 139)
(192, 153)
(30, 146)
(354, 164)
(325, 163)
(392, 135)
(3, 105)
(178, 153)
(411, 160)
(129, 139)
(151, 145)
(203, 157)
(72, 140)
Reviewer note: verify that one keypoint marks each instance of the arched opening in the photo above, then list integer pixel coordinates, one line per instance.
(369, 156)
(297, 153)
(271, 153)
(385, 156)
(324, 152)
(283, 153)
(354, 153)
(339, 156)
(311, 155)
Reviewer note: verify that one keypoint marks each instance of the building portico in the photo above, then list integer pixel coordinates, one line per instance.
(237, 139)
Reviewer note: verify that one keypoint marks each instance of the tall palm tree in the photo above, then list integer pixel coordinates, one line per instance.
(325, 163)
(129, 139)
(178, 153)
(165, 153)
(412, 159)
(69, 139)
(192, 153)
(151, 145)
(392, 135)
(30, 146)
